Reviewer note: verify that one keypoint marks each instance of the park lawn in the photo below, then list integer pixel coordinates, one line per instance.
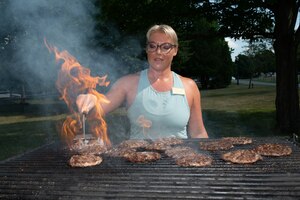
(232, 111)
(19, 137)
(25, 127)
(239, 111)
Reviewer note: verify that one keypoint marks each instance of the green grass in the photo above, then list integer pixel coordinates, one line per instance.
(232, 111)
(24, 127)
(239, 111)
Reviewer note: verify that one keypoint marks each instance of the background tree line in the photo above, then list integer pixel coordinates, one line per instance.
(256, 61)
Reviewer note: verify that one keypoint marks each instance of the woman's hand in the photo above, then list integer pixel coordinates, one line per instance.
(85, 102)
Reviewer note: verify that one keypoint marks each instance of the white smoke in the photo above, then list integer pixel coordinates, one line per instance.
(68, 25)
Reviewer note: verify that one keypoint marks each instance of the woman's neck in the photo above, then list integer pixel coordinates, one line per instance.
(162, 75)
(161, 80)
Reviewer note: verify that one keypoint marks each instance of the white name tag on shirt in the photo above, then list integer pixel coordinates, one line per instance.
(179, 91)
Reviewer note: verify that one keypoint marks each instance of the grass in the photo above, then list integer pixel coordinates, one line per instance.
(24, 127)
(239, 111)
(232, 111)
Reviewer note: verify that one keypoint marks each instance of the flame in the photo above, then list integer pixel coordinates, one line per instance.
(74, 79)
(144, 123)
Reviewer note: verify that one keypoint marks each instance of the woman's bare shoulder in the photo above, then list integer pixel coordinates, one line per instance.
(188, 82)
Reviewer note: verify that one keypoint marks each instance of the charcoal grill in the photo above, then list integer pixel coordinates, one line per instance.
(45, 174)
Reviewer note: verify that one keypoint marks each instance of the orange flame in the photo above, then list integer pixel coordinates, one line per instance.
(74, 79)
(144, 123)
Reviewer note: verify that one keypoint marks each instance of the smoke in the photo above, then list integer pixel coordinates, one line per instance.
(68, 25)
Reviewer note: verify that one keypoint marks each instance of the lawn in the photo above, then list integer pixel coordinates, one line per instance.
(239, 111)
(27, 126)
(232, 111)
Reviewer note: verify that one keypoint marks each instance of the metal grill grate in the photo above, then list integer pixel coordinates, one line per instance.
(45, 174)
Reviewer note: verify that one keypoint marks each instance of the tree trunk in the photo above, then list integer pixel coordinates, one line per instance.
(250, 85)
(285, 46)
(23, 95)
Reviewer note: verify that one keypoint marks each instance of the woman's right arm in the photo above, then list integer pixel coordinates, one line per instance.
(116, 96)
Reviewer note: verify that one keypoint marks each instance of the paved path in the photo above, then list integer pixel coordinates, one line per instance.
(246, 82)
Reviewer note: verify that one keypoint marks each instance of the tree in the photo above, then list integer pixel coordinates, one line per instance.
(265, 61)
(8, 78)
(209, 56)
(244, 66)
(274, 19)
(202, 52)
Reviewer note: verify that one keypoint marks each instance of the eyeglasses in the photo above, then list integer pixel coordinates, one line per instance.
(164, 47)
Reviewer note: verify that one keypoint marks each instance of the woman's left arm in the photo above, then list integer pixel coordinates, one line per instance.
(196, 128)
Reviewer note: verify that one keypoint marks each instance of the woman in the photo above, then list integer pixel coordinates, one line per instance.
(159, 102)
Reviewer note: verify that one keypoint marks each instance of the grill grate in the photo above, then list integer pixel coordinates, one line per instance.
(45, 174)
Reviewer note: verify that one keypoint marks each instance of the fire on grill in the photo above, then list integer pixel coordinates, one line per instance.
(73, 80)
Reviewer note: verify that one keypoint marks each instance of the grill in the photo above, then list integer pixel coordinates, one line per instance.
(44, 174)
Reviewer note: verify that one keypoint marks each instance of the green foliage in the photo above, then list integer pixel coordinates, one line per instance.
(244, 66)
(255, 61)
(203, 54)
(251, 19)
(265, 61)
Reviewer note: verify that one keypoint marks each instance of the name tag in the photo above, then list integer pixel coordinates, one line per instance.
(179, 91)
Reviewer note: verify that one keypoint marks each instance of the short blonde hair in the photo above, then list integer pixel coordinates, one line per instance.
(168, 30)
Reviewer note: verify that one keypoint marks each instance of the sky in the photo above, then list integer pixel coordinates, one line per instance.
(238, 46)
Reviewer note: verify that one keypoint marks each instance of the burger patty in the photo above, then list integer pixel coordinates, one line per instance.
(241, 156)
(85, 160)
(119, 151)
(163, 144)
(269, 149)
(169, 141)
(238, 140)
(180, 151)
(215, 145)
(197, 160)
(97, 149)
(89, 146)
(133, 144)
(142, 157)
(157, 146)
